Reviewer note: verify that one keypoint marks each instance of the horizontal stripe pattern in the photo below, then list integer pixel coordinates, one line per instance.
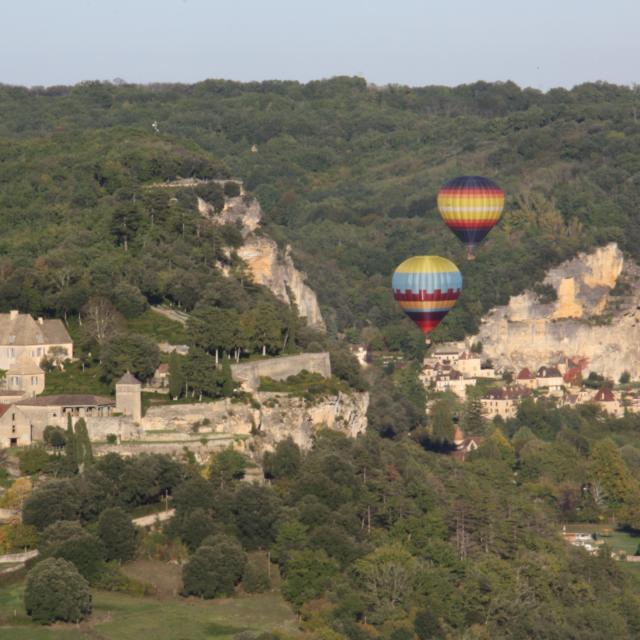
(470, 206)
(425, 293)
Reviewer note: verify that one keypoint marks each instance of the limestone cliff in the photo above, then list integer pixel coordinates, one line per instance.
(588, 320)
(268, 265)
(278, 417)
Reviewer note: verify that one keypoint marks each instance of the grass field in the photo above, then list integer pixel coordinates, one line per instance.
(159, 327)
(122, 617)
(617, 540)
(74, 380)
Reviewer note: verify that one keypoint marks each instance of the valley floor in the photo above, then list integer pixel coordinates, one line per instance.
(165, 617)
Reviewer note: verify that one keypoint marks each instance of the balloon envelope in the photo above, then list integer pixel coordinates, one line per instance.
(470, 206)
(427, 287)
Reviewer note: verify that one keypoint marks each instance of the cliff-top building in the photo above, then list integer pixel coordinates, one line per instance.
(21, 335)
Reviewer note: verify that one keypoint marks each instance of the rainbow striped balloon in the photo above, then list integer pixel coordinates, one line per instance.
(427, 287)
(470, 206)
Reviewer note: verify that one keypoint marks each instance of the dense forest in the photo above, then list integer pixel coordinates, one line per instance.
(346, 172)
(369, 538)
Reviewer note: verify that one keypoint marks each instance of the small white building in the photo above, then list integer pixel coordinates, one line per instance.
(453, 381)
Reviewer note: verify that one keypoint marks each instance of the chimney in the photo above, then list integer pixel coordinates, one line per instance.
(13, 314)
(40, 320)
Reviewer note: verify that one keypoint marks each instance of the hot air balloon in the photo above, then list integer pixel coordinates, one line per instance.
(470, 206)
(427, 287)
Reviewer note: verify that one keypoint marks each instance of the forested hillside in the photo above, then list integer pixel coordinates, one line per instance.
(348, 174)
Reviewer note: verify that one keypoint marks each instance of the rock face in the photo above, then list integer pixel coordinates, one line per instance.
(267, 264)
(586, 321)
(278, 417)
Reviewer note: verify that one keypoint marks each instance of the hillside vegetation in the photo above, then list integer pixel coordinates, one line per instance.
(345, 171)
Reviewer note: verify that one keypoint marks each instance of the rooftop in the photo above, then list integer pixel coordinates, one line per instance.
(68, 400)
(21, 329)
(127, 378)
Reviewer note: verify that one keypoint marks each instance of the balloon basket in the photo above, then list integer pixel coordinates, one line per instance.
(470, 255)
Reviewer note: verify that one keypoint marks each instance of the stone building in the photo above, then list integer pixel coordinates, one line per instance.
(53, 410)
(15, 427)
(128, 397)
(21, 335)
(608, 402)
(25, 376)
(503, 402)
(550, 378)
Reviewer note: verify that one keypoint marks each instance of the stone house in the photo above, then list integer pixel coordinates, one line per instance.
(470, 365)
(550, 378)
(25, 376)
(454, 381)
(608, 402)
(15, 427)
(128, 397)
(53, 410)
(526, 379)
(446, 355)
(21, 335)
(503, 402)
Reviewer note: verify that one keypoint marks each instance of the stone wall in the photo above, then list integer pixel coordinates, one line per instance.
(121, 426)
(249, 373)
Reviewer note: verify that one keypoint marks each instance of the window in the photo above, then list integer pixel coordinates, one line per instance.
(13, 428)
(12, 351)
(34, 381)
(12, 339)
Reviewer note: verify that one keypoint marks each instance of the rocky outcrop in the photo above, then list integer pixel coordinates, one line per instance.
(260, 426)
(588, 320)
(268, 265)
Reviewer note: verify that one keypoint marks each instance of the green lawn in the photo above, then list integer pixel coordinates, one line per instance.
(158, 327)
(615, 539)
(121, 617)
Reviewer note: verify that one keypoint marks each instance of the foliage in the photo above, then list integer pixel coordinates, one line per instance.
(117, 534)
(33, 460)
(310, 386)
(227, 465)
(131, 352)
(214, 570)
(56, 591)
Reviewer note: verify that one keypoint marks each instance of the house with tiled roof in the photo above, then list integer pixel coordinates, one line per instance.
(609, 402)
(452, 380)
(26, 376)
(503, 401)
(526, 379)
(21, 335)
(550, 378)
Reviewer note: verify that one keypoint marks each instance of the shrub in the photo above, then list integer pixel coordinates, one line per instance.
(54, 437)
(112, 438)
(85, 551)
(231, 189)
(56, 591)
(214, 571)
(33, 460)
(255, 578)
(117, 533)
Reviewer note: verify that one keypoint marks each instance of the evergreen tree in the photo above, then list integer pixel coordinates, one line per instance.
(70, 447)
(473, 420)
(176, 376)
(83, 450)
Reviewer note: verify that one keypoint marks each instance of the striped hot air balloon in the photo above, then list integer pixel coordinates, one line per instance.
(427, 287)
(470, 206)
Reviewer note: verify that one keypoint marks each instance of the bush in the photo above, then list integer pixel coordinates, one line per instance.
(56, 500)
(85, 551)
(214, 571)
(33, 460)
(112, 438)
(255, 578)
(56, 591)
(54, 437)
(117, 533)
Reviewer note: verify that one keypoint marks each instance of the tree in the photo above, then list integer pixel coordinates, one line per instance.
(227, 465)
(125, 221)
(214, 571)
(56, 591)
(255, 578)
(83, 450)
(176, 376)
(473, 418)
(101, 320)
(309, 574)
(117, 533)
(131, 352)
(284, 462)
(55, 500)
(256, 511)
(387, 576)
(59, 532)
(54, 437)
(231, 189)
(625, 377)
(441, 419)
(85, 551)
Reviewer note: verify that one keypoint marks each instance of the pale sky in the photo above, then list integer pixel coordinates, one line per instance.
(538, 43)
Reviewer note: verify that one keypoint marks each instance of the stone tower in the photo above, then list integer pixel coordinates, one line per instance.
(128, 397)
